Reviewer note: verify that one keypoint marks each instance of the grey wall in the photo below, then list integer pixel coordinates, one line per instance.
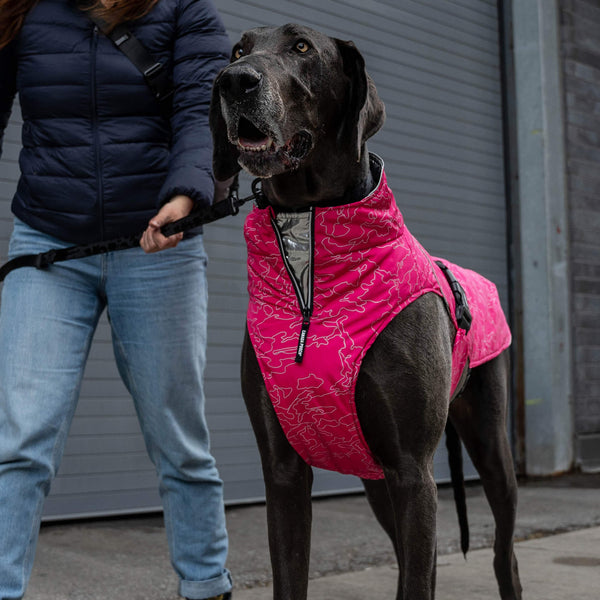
(580, 33)
(436, 65)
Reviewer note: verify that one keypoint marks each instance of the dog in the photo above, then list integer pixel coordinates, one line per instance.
(295, 109)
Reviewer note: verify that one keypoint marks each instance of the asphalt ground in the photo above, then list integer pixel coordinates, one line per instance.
(558, 535)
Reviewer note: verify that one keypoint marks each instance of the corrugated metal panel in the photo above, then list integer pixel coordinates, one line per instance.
(436, 67)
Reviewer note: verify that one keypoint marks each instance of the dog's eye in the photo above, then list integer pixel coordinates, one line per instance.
(238, 52)
(302, 47)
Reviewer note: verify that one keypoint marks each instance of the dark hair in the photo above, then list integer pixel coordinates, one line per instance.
(13, 13)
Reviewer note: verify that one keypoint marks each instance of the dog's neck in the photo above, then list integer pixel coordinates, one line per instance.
(348, 181)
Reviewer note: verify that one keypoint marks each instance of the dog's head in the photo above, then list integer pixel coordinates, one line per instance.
(290, 98)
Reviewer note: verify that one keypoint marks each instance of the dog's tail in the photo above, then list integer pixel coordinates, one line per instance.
(454, 447)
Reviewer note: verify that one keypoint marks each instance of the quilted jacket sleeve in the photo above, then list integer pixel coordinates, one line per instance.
(8, 70)
(201, 49)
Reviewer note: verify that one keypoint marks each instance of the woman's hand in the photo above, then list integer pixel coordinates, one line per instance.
(152, 239)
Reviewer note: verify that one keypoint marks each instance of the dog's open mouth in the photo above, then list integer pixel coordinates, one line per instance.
(252, 139)
(263, 157)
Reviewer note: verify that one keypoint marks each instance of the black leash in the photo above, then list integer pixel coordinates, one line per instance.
(228, 207)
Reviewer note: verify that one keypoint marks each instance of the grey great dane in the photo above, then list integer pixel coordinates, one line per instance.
(295, 108)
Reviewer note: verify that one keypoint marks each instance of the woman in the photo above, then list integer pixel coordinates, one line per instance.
(100, 160)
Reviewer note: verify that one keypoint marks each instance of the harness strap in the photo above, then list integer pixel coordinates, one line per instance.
(462, 311)
(230, 206)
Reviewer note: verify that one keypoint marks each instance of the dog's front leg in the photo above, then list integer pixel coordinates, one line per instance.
(288, 483)
(414, 499)
(404, 440)
(402, 403)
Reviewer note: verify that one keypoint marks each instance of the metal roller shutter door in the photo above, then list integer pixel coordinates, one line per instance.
(436, 66)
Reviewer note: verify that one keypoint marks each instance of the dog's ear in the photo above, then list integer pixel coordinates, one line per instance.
(225, 154)
(365, 112)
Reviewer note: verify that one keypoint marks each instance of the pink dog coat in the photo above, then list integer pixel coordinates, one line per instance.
(323, 284)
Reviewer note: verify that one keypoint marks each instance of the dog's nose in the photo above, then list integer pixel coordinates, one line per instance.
(239, 80)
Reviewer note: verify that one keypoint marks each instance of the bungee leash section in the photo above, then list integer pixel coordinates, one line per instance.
(228, 207)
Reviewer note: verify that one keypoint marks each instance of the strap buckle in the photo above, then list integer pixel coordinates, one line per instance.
(157, 79)
(44, 259)
(121, 40)
(153, 70)
(259, 196)
(233, 198)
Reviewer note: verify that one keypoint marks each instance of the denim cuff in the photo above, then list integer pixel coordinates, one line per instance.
(199, 590)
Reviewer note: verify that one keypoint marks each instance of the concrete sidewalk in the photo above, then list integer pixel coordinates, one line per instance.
(559, 567)
(351, 557)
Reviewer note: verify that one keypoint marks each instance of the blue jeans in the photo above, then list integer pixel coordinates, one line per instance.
(157, 310)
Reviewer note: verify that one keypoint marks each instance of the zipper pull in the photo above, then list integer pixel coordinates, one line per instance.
(302, 340)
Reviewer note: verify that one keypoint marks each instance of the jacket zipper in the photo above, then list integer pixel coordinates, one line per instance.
(305, 304)
(96, 132)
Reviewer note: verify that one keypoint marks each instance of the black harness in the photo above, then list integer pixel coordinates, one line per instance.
(228, 207)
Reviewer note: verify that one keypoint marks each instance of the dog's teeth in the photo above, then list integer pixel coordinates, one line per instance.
(249, 147)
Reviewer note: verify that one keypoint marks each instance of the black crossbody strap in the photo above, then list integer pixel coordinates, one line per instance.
(154, 72)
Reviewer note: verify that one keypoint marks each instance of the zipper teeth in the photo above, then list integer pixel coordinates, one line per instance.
(311, 254)
(95, 125)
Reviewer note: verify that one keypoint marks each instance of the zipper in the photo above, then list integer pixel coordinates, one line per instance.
(96, 132)
(305, 304)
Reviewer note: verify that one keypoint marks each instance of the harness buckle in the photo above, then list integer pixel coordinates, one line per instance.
(464, 319)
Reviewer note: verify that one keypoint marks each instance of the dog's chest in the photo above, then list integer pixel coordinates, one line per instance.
(322, 285)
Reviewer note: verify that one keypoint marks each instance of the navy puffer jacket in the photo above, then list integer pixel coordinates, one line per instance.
(98, 157)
